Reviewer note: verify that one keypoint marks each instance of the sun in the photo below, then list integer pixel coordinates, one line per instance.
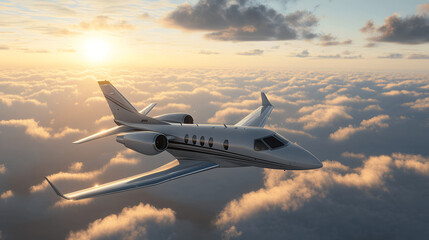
(96, 50)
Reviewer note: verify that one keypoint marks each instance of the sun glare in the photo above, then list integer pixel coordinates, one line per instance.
(96, 50)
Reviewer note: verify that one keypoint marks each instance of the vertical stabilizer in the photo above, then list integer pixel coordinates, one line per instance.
(122, 110)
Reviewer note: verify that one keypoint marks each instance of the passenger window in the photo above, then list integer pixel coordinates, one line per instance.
(211, 142)
(226, 144)
(202, 141)
(186, 138)
(273, 142)
(259, 145)
(194, 139)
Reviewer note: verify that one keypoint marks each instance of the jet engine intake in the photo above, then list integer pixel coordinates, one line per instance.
(148, 143)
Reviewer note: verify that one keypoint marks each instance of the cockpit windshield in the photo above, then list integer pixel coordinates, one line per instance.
(270, 142)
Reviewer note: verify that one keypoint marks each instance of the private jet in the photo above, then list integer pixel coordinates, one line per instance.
(196, 147)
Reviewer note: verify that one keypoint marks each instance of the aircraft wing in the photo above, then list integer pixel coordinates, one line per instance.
(170, 171)
(258, 117)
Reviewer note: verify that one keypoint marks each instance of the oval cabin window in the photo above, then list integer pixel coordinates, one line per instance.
(226, 144)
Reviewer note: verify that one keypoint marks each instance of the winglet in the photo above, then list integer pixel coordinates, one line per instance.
(56, 190)
(103, 82)
(265, 101)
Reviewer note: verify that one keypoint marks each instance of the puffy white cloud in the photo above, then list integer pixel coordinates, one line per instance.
(373, 107)
(76, 166)
(2, 168)
(131, 223)
(104, 119)
(7, 194)
(419, 104)
(344, 133)
(417, 163)
(290, 190)
(10, 99)
(221, 116)
(320, 115)
(33, 129)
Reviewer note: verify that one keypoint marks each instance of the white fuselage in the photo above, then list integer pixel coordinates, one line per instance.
(233, 146)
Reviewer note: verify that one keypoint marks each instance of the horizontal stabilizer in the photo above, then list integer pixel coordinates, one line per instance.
(147, 109)
(105, 133)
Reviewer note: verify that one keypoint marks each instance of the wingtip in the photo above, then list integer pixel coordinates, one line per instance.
(56, 190)
(265, 101)
(103, 82)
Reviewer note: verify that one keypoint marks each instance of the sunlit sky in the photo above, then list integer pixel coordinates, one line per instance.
(143, 34)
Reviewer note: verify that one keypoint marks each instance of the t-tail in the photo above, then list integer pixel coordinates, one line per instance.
(123, 113)
(122, 110)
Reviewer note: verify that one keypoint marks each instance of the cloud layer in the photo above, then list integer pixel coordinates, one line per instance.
(242, 21)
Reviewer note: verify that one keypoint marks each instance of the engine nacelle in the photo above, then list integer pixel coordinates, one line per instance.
(176, 118)
(148, 143)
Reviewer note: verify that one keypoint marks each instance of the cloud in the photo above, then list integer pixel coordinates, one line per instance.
(144, 16)
(131, 223)
(401, 92)
(120, 159)
(176, 107)
(419, 104)
(276, 128)
(344, 133)
(3, 47)
(417, 163)
(222, 116)
(105, 23)
(303, 54)
(329, 40)
(321, 115)
(252, 52)
(418, 56)
(290, 190)
(7, 194)
(413, 29)
(10, 99)
(370, 45)
(353, 155)
(329, 56)
(423, 9)
(95, 99)
(392, 56)
(207, 52)
(75, 167)
(33, 129)
(104, 119)
(373, 107)
(241, 21)
(63, 203)
(2, 169)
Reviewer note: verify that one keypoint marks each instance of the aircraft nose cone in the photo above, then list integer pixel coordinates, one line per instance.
(303, 158)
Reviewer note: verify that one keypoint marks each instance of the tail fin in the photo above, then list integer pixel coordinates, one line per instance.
(122, 110)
